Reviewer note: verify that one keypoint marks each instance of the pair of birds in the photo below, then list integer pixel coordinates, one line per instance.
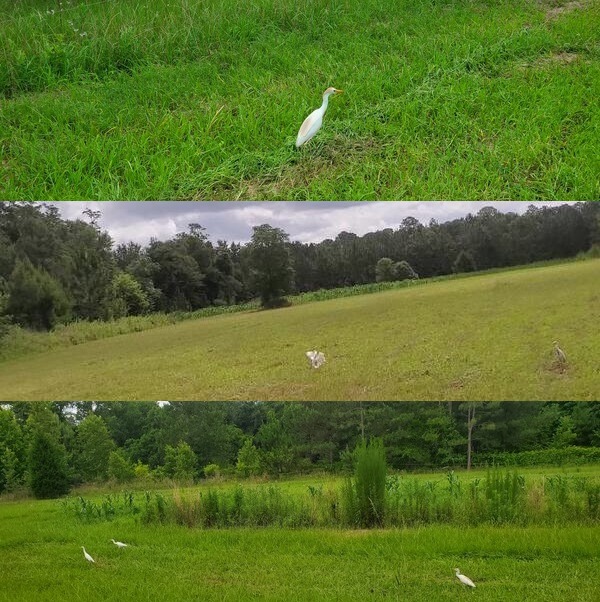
(119, 544)
(316, 358)
(312, 124)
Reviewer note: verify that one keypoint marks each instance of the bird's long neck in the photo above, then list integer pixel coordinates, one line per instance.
(325, 102)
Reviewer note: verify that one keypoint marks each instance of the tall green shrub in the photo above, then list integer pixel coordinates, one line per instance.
(369, 482)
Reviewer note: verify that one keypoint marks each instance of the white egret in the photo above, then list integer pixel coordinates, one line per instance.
(312, 124)
(463, 579)
(87, 556)
(119, 544)
(559, 353)
(317, 358)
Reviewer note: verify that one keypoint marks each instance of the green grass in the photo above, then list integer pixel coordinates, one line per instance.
(195, 100)
(480, 338)
(42, 560)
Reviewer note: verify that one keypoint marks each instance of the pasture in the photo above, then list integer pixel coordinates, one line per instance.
(203, 99)
(40, 545)
(488, 337)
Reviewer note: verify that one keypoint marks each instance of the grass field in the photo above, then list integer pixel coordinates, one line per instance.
(199, 99)
(40, 546)
(480, 338)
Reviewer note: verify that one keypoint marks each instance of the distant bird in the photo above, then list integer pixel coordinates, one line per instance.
(119, 544)
(317, 359)
(87, 556)
(463, 579)
(312, 124)
(559, 354)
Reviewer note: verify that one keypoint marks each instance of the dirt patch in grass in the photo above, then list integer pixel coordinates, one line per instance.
(558, 58)
(562, 9)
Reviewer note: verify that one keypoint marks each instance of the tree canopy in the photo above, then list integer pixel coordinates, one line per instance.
(54, 270)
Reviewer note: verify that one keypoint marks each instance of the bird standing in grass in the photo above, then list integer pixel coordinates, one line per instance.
(312, 124)
(119, 544)
(317, 358)
(559, 354)
(464, 579)
(87, 556)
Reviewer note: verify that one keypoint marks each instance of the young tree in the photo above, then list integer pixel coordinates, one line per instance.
(464, 262)
(35, 299)
(385, 270)
(93, 446)
(47, 459)
(181, 462)
(272, 272)
(12, 451)
(120, 468)
(130, 299)
(404, 271)
(248, 459)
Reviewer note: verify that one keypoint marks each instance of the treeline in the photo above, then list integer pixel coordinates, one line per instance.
(51, 447)
(55, 271)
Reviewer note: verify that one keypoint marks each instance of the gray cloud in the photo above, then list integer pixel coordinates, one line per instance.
(304, 221)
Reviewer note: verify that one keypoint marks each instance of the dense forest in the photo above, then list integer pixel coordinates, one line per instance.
(55, 271)
(51, 447)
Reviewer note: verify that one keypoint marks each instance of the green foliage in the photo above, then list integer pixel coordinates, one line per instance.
(181, 463)
(94, 446)
(120, 468)
(404, 271)
(12, 452)
(248, 459)
(212, 471)
(385, 270)
(369, 482)
(566, 456)
(130, 299)
(35, 298)
(47, 457)
(565, 435)
(464, 262)
(272, 272)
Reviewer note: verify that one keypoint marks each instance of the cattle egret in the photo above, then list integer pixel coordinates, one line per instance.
(559, 353)
(317, 359)
(463, 579)
(312, 124)
(119, 544)
(87, 556)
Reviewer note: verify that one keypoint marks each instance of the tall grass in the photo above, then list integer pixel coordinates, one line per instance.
(500, 498)
(202, 99)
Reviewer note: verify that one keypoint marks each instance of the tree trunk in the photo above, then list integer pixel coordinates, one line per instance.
(470, 425)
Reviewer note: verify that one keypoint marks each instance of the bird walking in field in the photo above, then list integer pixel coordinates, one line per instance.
(316, 358)
(312, 124)
(119, 544)
(559, 354)
(87, 556)
(464, 579)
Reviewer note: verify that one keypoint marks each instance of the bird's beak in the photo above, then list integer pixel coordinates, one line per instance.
(339, 91)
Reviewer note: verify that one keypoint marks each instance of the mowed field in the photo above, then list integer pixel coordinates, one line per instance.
(42, 560)
(202, 99)
(488, 337)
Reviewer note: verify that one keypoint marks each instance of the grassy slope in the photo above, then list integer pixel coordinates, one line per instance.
(42, 560)
(469, 100)
(481, 338)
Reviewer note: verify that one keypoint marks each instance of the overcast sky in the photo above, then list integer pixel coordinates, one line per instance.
(303, 221)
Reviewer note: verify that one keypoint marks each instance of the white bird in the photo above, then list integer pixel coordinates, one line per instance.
(463, 579)
(312, 124)
(87, 556)
(559, 353)
(317, 359)
(119, 544)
